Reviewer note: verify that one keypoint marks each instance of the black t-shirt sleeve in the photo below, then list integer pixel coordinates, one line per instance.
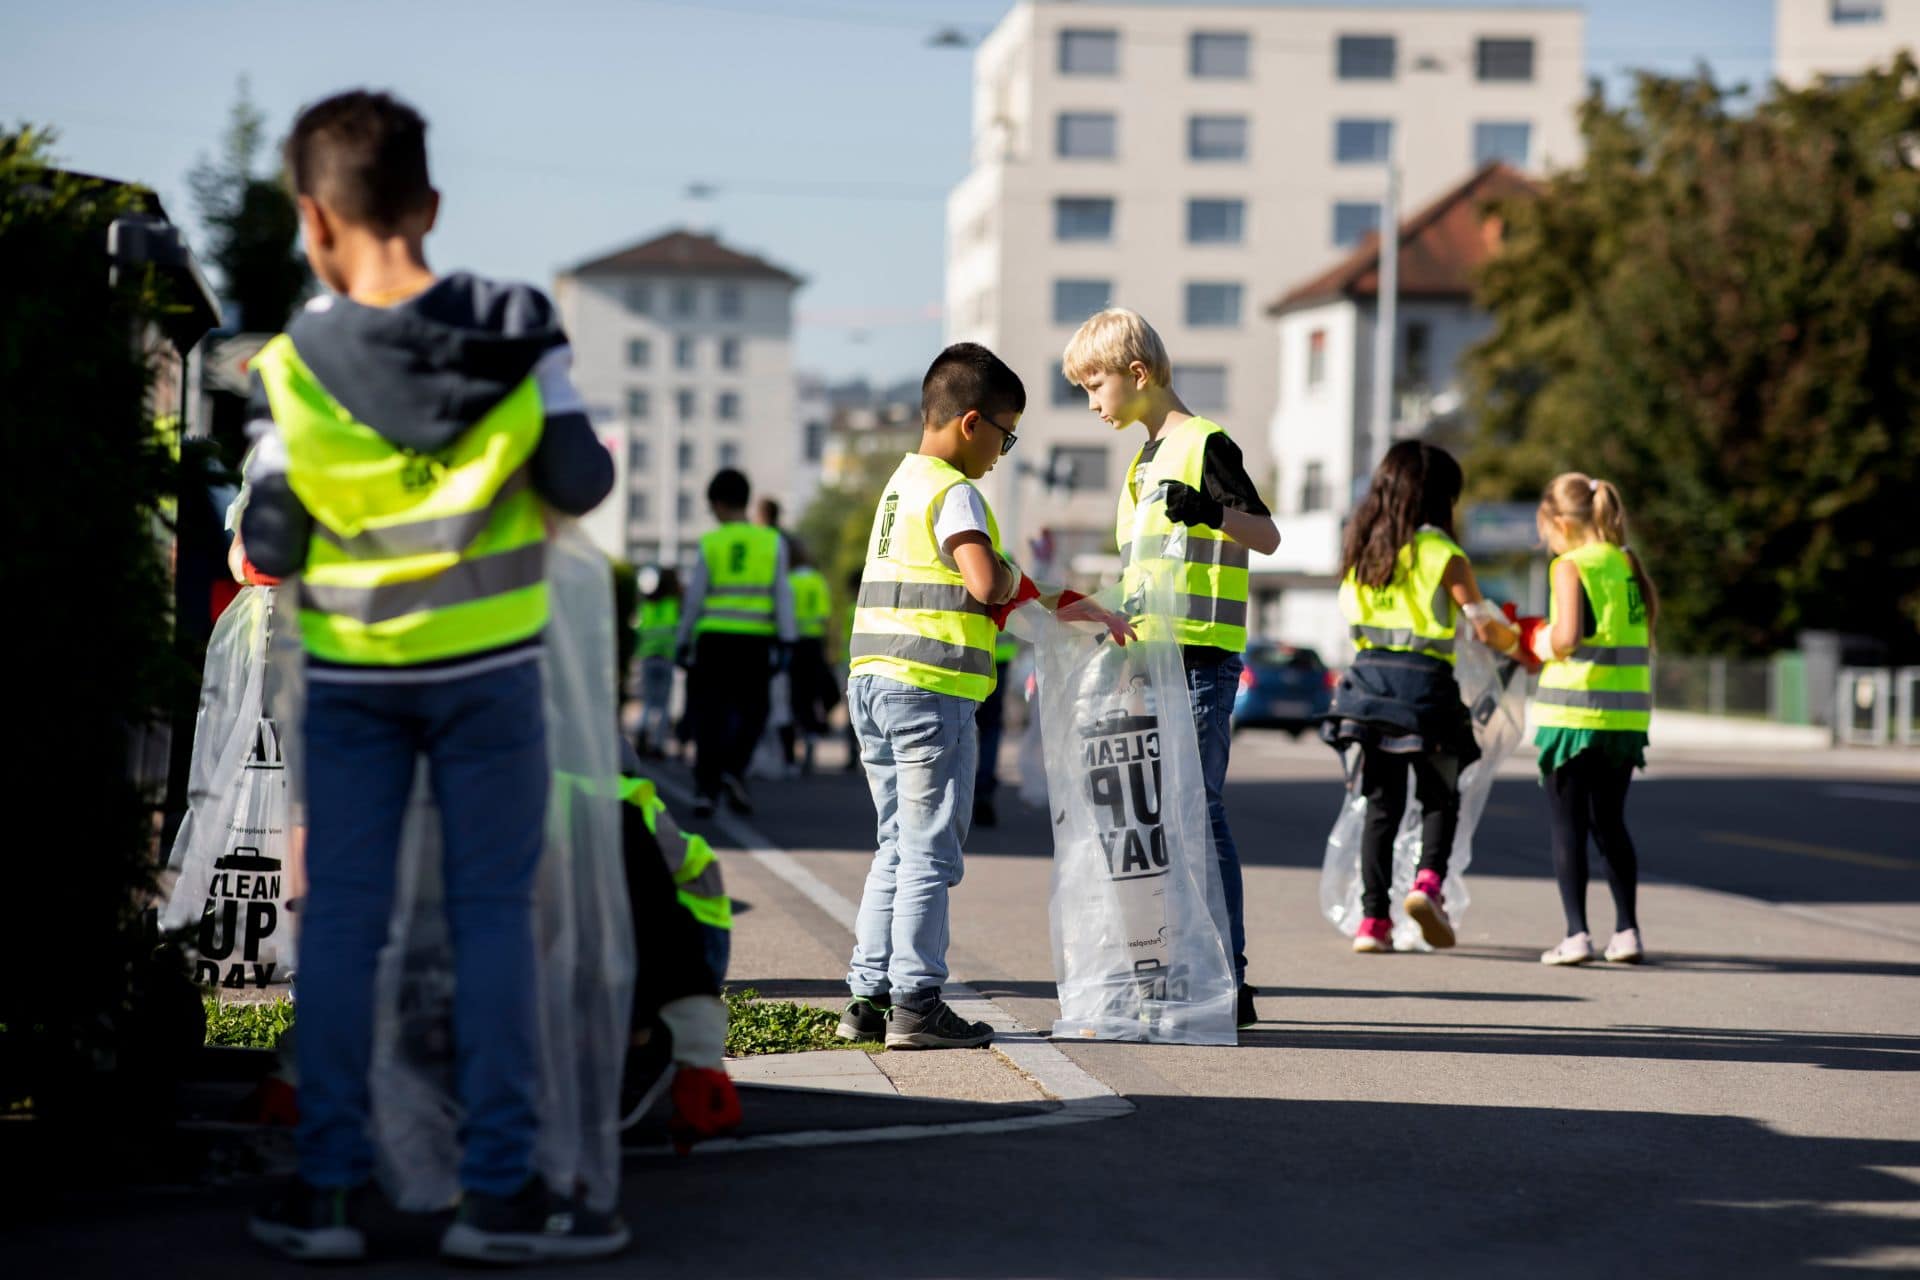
(1226, 477)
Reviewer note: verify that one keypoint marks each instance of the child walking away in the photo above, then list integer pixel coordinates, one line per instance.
(1594, 703)
(1404, 584)
(659, 628)
(413, 434)
(1188, 473)
(813, 689)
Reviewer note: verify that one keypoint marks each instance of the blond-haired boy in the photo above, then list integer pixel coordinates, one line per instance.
(1188, 472)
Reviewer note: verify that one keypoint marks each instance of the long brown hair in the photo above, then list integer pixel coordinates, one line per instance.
(1416, 484)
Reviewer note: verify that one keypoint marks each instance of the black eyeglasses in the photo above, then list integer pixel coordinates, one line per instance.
(1006, 445)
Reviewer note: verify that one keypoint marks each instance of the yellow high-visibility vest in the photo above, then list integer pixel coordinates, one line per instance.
(811, 606)
(414, 557)
(1606, 683)
(659, 626)
(742, 560)
(915, 620)
(1414, 612)
(1211, 577)
(691, 860)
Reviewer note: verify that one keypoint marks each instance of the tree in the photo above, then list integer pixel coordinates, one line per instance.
(1719, 313)
(253, 225)
(836, 524)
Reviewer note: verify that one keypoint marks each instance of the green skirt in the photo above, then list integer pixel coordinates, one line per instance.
(1621, 746)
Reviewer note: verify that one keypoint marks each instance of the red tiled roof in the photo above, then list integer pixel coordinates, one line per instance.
(1441, 247)
(682, 252)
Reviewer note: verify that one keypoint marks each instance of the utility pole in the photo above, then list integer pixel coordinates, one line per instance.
(1386, 320)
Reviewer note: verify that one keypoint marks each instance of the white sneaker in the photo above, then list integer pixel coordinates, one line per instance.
(1625, 947)
(1577, 949)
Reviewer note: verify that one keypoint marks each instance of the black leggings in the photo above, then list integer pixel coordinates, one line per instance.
(1383, 781)
(1589, 793)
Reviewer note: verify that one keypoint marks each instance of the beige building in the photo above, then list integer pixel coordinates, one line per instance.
(1837, 39)
(1192, 162)
(682, 350)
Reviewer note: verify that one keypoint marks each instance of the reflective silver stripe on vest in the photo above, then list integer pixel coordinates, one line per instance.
(1227, 613)
(1611, 655)
(463, 583)
(423, 537)
(1596, 699)
(1221, 551)
(1400, 638)
(924, 650)
(739, 615)
(945, 597)
(705, 885)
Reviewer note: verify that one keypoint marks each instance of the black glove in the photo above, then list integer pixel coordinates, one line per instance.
(1187, 505)
(780, 655)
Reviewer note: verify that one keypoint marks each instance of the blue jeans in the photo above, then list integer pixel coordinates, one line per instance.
(485, 740)
(920, 751)
(1212, 687)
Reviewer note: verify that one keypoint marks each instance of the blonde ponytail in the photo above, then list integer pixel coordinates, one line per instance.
(1587, 503)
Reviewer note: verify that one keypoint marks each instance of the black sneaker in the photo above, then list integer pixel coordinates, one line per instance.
(936, 1028)
(703, 806)
(313, 1224)
(736, 791)
(984, 814)
(865, 1018)
(531, 1225)
(1245, 1017)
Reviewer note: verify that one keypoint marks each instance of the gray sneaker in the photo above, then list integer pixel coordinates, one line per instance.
(936, 1028)
(862, 1020)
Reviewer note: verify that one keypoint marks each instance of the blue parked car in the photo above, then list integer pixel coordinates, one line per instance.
(1282, 687)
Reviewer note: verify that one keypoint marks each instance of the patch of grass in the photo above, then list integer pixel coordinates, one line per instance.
(247, 1026)
(756, 1026)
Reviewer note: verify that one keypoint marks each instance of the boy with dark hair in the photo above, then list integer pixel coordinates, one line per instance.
(922, 660)
(414, 433)
(736, 628)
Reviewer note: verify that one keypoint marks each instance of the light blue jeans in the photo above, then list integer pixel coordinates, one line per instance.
(920, 752)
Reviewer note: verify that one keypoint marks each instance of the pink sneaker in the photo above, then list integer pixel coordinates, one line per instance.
(1427, 905)
(1376, 935)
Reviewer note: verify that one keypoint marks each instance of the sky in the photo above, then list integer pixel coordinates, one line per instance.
(828, 131)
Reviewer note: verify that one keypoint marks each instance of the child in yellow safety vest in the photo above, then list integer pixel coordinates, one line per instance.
(658, 625)
(1594, 702)
(1405, 582)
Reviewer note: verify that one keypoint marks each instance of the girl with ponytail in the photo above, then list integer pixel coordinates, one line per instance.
(1594, 703)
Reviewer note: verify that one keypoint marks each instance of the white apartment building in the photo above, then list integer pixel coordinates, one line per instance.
(1191, 161)
(683, 352)
(1838, 39)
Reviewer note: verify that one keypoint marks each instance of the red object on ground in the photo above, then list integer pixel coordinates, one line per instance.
(705, 1105)
(1026, 592)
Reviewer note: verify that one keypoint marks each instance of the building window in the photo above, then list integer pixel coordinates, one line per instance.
(639, 457)
(639, 353)
(1075, 300)
(1352, 220)
(1217, 138)
(1316, 358)
(683, 506)
(639, 403)
(1216, 221)
(1083, 218)
(729, 454)
(1219, 55)
(683, 456)
(683, 405)
(1364, 57)
(1080, 468)
(1416, 351)
(683, 352)
(1510, 60)
(1313, 488)
(1362, 141)
(727, 407)
(1201, 386)
(683, 300)
(1212, 303)
(816, 441)
(729, 353)
(1064, 392)
(1087, 135)
(638, 508)
(726, 302)
(1850, 13)
(1508, 141)
(1089, 53)
(640, 299)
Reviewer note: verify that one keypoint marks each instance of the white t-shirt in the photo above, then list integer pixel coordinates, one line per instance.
(962, 510)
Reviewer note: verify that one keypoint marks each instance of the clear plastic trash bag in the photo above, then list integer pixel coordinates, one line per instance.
(582, 931)
(1138, 917)
(1494, 688)
(233, 850)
